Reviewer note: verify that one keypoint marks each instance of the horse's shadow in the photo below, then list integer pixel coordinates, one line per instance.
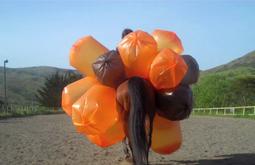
(233, 159)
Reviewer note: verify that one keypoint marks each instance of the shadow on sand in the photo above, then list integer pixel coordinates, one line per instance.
(234, 159)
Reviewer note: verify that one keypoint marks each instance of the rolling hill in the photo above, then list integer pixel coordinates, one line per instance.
(247, 60)
(219, 86)
(227, 85)
(22, 83)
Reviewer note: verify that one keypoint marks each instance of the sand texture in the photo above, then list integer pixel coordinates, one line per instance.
(52, 139)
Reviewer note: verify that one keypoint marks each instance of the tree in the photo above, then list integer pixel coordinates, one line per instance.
(1, 104)
(50, 94)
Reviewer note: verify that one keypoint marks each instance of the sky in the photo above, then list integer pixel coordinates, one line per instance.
(41, 32)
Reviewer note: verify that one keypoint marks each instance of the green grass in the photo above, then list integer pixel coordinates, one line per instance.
(227, 116)
(231, 84)
(224, 88)
(28, 111)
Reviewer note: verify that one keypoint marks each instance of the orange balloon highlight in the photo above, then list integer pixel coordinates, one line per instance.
(96, 116)
(110, 137)
(167, 39)
(84, 52)
(74, 91)
(167, 70)
(166, 135)
(137, 51)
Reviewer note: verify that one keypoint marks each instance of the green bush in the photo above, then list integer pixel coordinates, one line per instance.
(226, 88)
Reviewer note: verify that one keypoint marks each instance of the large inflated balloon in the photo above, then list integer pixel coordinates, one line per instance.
(176, 105)
(166, 135)
(192, 74)
(84, 52)
(95, 114)
(167, 70)
(167, 39)
(109, 69)
(74, 91)
(137, 51)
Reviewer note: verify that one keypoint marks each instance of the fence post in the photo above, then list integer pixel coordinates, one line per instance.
(234, 111)
(210, 111)
(254, 110)
(224, 111)
(217, 111)
(243, 111)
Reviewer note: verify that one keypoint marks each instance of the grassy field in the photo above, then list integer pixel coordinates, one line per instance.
(22, 111)
(246, 116)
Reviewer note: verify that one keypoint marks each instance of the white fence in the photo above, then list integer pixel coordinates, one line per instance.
(244, 110)
(26, 109)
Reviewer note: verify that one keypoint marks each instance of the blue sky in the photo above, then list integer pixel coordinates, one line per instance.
(36, 33)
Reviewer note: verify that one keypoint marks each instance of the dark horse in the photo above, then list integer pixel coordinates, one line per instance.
(136, 104)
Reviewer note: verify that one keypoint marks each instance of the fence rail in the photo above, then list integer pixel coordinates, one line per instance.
(25, 110)
(243, 110)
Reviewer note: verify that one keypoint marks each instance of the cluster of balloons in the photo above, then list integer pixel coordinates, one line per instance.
(156, 57)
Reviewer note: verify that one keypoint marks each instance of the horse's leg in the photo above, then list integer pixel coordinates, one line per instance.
(125, 149)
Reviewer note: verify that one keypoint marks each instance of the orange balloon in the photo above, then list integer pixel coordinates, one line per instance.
(137, 51)
(95, 115)
(167, 39)
(74, 91)
(110, 137)
(166, 135)
(167, 70)
(84, 52)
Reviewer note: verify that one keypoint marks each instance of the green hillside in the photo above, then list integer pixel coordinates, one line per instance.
(22, 83)
(247, 60)
(232, 84)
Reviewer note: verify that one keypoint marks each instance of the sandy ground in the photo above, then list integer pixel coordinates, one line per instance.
(52, 139)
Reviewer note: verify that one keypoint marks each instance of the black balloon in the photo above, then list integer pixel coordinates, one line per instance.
(192, 74)
(109, 69)
(176, 105)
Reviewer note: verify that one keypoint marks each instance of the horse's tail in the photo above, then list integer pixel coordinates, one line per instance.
(141, 104)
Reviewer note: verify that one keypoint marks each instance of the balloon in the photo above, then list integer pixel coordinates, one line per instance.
(95, 114)
(166, 135)
(84, 52)
(167, 70)
(192, 74)
(144, 83)
(176, 105)
(74, 91)
(109, 69)
(137, 51)
(167, 39)
(110, 137)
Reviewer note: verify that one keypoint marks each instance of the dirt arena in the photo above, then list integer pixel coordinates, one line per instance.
(51, 139)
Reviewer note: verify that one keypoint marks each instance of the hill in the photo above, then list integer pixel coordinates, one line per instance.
(231, 84)
(225, 85)
(247, 60)
(22, 83)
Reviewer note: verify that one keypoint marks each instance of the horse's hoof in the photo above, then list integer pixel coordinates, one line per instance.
(126, 162)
